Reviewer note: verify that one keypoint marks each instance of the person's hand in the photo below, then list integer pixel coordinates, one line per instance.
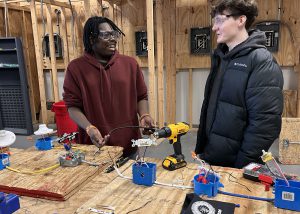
(106, 138)
(96, 136)
(147, 121)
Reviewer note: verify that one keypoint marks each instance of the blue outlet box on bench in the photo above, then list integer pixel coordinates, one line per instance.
(9, 203)
(144, 173)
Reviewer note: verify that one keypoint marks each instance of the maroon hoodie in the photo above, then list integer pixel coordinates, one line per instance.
(107, 96)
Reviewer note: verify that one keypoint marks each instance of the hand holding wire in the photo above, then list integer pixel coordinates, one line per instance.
(96, 137)
(147, 121)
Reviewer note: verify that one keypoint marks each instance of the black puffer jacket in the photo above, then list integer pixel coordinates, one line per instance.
(247, 118)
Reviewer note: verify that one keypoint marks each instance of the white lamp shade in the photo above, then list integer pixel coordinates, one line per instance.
(6, 138)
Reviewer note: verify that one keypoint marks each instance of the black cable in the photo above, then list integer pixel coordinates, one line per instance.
(123, 127)
(230, 175)
(139, 207)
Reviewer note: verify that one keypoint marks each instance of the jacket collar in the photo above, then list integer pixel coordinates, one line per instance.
(255, 40)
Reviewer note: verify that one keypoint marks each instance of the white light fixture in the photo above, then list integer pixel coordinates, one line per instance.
(7, 138)
(43, 130)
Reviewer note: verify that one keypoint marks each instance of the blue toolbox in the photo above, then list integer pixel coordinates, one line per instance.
(9, 203)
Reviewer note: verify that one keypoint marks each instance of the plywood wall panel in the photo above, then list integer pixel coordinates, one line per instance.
(2, 21)
(290, 15)
(199, 16)
(15, 17)
(267, 9)
(287, 50)
(191, 14)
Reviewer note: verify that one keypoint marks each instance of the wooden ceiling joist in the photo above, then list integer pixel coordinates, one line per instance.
(15, 7)
(14, 1)
(55, 3)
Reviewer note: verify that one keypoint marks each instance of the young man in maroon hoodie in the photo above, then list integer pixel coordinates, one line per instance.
(104, 90)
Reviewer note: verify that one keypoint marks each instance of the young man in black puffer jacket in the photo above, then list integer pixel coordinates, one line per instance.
(243, 101)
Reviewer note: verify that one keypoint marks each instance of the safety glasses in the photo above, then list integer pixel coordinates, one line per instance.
(106, 35)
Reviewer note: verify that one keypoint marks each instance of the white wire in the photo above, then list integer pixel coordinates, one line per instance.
(174, 185)
(120, 174)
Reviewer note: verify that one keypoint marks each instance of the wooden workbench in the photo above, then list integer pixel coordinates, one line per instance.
(127, 197)
(110, 189)
(60, 182)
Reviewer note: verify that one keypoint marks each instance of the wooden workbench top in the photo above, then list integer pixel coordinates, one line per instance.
(126, 197)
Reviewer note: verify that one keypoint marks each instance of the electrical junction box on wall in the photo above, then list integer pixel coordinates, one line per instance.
(57, 45)
(201, 40)
(271, 29)
(141, 43)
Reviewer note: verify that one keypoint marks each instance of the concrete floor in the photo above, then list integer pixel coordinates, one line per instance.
(165, 149)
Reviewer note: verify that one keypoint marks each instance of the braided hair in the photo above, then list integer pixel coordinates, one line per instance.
(91, 30)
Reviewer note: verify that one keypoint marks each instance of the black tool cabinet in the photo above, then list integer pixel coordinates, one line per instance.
(15, 114)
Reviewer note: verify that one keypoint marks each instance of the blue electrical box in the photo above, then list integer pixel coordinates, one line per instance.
(9, 203)
(287, 197)
(4, 161)
(210, 188)
(144, 173)
(44, 143)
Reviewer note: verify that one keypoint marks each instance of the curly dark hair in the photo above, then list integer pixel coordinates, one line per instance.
(91, 30)
(238, 8)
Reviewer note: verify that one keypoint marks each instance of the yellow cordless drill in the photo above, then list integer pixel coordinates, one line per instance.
(173, 132)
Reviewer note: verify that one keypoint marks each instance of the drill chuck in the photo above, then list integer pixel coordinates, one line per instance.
(162, 133)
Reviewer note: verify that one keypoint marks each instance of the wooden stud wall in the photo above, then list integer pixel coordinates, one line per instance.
(151, 60)
(38, 52)
(160, 62)
(189, 14)
(53, 70)
(170, 59)
(181, 15)
(172, 49)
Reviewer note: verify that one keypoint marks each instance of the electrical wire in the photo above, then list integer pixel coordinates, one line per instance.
(123, 127)
(280, 172)
(34, 172)
(230, 175)
(144, 154)
(139, 207)
(93, 163)
(246, 196)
